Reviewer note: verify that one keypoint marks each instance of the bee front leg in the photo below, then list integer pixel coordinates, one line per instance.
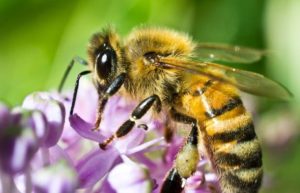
(187, 158)
(103, 97)
(137, 113)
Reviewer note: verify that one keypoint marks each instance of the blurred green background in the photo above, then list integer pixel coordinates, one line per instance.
(38, 38)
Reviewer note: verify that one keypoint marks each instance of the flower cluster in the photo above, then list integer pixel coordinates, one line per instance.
(42, 150)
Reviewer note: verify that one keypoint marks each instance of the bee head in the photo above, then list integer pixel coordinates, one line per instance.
(104, 52)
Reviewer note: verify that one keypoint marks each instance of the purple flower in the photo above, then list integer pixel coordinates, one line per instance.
(28, 144)
(68, 148)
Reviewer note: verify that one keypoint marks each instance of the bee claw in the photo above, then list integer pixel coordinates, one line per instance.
(95, 129)
(102, 146)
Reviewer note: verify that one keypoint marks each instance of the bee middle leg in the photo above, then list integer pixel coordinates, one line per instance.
(137, 113)
(187, 158)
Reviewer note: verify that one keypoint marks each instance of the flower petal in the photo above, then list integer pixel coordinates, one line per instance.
(39, 123)
(84, 129)
(57, 153)
(130, 177)
(85, 108)
(56, 178)
(117, 111)
(200, 183)
(95, 165)
(105, 187)
(132, 139)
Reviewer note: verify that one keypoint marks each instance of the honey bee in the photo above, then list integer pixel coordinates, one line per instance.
(166, 70)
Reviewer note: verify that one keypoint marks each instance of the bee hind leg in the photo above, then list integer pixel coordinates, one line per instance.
(137, 113)
(187, 158)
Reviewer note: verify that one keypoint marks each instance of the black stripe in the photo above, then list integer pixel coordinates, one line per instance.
(179, 117)
(244, 186)
(193, 137)
(231, 104)
(182, 118)
(242, 134)
(254, 160)
(203, 89)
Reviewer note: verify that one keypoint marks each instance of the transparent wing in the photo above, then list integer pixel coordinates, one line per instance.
(227, 53)
(246, 81)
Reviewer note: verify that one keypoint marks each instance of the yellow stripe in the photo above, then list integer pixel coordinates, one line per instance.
(249, 175)
(242, 150)
(216, 125)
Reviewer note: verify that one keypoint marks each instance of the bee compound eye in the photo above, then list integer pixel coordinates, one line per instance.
(104, 62)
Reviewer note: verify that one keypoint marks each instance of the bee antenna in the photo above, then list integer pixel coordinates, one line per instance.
(69, 67)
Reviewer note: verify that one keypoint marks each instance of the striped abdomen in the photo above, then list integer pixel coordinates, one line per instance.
(228, 134)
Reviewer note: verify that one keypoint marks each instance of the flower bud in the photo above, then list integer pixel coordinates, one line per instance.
(54, 112)
(18, 142)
